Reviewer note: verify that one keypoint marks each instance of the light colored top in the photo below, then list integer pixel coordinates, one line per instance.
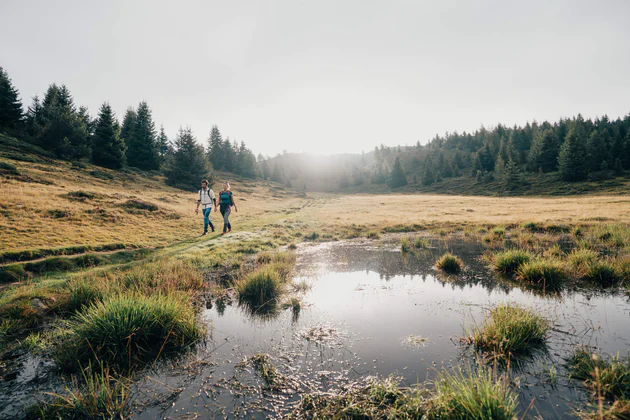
(206, 197)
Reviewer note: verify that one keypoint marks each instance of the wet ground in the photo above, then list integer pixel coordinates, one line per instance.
(371, 310)
(365, 302)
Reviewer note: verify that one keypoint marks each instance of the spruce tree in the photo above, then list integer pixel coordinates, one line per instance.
(229, 156)
(618, 167)
(625, 155)
(142, 148)
(572, 160)
(34, 118)
(129, 122)
(428, 178)
(544, 151)
(11, 112)
(189, 164)
(276, 176)
(163, 146)
(397, 178)
(108, 149)
(215, 148)
(511, 175)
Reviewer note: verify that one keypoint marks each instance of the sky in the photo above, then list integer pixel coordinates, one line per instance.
(326, 76)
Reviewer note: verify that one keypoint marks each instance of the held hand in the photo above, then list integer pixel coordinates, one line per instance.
(196, 211)
(235, 209)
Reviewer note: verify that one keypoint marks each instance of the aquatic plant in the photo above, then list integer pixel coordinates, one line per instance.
(450, 263)
(608, 377)
(481, 394)
(267, 370)
(127, 329)
(543, 272)
(261, 286)
(405, 244)
(510, 330)
(99, 395)
(509, 261)
(604, 273)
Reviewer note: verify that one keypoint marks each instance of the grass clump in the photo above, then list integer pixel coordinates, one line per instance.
(580, 258)
(607, 377)
(542, 272)
(260, 287)
(605, 273)
(405, 244)
(508, 262)
(373, 235)
(98, 395)
(139, 205)
(480, 395)
(450, 263)
(127, 330)
(510, 330)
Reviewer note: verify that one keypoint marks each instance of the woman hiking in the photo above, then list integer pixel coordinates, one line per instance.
(207, 199)
(226, 202)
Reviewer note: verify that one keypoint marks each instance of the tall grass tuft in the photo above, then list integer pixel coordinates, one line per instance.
(605, 273)
(607, 376)
(100, 395)
(542, 272)
(450, 263)
(480, 395)
(127, 330)
(508, 262)
(510, 330)
(580, 258)
(260, 287)
(405, 244)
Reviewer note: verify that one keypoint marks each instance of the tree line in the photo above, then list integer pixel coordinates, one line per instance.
(57, 125)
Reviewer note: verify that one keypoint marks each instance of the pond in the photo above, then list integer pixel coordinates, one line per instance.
(372, 310)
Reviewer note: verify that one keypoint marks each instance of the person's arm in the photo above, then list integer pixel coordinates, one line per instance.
(233, 203)
(198, 202)
(214, 201)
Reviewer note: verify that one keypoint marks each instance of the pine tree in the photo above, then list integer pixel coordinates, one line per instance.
(544, 151)
(142, 147)
(129, 122)
(34, 118)
(11, 112)
(108, 149)
(625, 155)
(511, 176)
(229, 156)
(427, 177)
(163, 146)
(189, 164)
(84, 116)
(397, 178)
(596, 151)
(215, 148)
(572, 160)
(276, 176)
(618, 169)
(264, 168)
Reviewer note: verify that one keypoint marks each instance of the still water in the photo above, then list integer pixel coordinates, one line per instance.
(364, 302)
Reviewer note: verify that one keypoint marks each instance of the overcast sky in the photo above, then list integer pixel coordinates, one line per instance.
(326, 75)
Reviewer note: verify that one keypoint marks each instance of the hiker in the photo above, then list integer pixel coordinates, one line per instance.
(226, 201)
(207, 199)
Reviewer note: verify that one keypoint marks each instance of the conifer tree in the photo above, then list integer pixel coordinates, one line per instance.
(215, 148)
(625, 155)
(163, 146)
(142, 148)
(572, 160)
(229, 156)
(618, 169)
(428, 178)
(276, 176)
(397, 178)
(511, 175)
(11, 112)
(544, 151)
(34, 118)
(108, 149)
(129, 122)
(189, 164)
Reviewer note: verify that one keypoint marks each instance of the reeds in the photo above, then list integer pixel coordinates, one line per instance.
(508, 262)
(546, 273)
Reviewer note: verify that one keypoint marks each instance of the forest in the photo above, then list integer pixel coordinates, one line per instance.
(57, 125)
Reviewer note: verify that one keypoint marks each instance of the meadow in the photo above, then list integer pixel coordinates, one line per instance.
(91, 257)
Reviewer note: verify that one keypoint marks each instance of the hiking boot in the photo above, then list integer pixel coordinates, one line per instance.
(222, 233)
(230, 230)
(205, 233)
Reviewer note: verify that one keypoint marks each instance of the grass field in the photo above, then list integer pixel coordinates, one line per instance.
(80, 243)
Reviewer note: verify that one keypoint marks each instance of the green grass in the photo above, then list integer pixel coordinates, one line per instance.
(608, 376)
(510, 330)
(580, 258)
(260, 287)
(267, 371)
(604, 273)
(373, 235)
(98, 395)
(480, 395)
(546, 273)
(405, 244)
(450, 263)
(508, 262)
(126, 330)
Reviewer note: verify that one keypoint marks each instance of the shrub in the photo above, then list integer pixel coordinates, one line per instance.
(545, 273)
(7, 168)
(260, 287)
(139, 205)
(510, 330)
(531, 226)
(373, 235)
(508, 262)
(449, 263)
(106, 176)
(127, 330)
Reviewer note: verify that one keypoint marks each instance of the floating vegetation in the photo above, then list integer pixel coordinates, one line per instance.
(415, 341)
(321, 334)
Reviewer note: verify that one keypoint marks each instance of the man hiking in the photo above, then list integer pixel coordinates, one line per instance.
(207, 199)
(226, 200)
